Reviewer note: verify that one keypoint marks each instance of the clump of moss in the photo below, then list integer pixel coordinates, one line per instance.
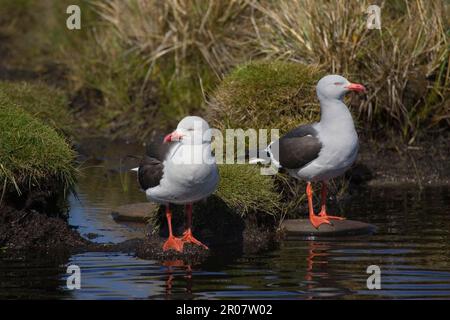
(245, 190)
(32, 154)
(39, 100)
(266, 95)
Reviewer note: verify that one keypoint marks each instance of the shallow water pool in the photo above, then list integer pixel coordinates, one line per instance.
(411, 247)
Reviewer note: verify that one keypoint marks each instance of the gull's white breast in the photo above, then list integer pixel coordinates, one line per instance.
(339, 151)
(190, 175)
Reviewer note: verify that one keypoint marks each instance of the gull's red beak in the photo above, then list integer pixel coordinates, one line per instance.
(356, 87)
(174, 136)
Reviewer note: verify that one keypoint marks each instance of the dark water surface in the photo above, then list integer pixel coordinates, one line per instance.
(411, 246)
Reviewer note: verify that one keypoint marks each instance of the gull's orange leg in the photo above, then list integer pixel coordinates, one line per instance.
(316, 221)
(187, 235)
(172, 242)
(323, 211)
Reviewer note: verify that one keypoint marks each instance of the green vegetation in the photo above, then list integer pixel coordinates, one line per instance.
(36, 32)
(245, 190)
(32, 154)
(266, 95)
(184, 48)
(152, 62)
(138, 66)
(41, 101)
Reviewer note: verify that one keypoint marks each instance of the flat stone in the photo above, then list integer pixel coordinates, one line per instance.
(136, 212)
(301, 228)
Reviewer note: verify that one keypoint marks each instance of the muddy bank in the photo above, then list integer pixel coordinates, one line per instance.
(425, 162)
(31, 230)
(252, 239)
(28, 232)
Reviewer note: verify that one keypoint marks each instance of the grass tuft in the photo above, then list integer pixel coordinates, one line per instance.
(32, 154)
(268, 95)
(41, 101)
(258, 195)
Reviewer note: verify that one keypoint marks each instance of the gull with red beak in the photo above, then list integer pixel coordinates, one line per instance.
(180, 169)
(322, 150)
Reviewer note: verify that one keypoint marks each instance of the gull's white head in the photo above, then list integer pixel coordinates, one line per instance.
(335, 86)
(191, 130)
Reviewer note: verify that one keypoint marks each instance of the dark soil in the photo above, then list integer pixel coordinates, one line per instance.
(252, 239)
(31, 230)
(424, 162)
(27, 231)
(151, 248)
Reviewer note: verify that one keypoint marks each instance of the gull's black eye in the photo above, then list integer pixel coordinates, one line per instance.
(191, 129)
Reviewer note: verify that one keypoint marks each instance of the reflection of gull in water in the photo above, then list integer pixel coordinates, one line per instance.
(170, 264)
(320, 278)
(316, 250)
(314, 247)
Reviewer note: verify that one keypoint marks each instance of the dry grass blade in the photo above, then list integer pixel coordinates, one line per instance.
(210, 29)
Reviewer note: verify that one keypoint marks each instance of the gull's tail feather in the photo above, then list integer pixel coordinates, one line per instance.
(134, 157)
(259, 156)
(257, 160)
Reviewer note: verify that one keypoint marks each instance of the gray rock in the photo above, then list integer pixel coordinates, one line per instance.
(136, 212)
(300, 228)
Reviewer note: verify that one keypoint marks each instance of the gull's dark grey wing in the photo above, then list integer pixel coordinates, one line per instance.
(298, 147)
(151, 167)
(150, 172)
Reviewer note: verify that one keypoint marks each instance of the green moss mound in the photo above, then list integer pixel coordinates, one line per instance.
(41, 101)
(245, 190)
(32, 153)
(266, 95)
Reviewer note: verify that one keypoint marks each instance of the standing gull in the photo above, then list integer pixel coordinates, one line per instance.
(180, 170)
(322, 150)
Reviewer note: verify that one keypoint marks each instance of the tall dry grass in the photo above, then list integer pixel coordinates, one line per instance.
(404, 65)
(216, 32)
(156, 59)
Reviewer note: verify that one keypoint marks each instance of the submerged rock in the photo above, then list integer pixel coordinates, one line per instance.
(248, 239)
(136, 212)
(151, 248)
(92, 235)
(298, 228)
